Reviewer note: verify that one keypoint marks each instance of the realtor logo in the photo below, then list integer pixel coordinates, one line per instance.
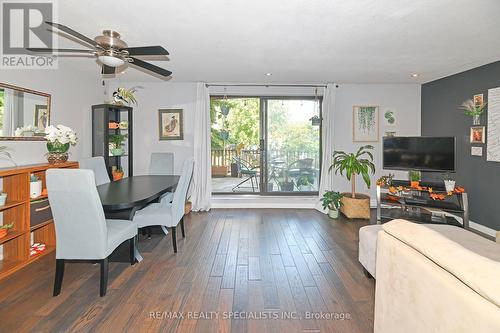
(23, 26)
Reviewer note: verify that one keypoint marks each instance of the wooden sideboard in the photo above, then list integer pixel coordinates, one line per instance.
(16, 245)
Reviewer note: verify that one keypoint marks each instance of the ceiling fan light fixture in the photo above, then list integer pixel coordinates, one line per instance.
(110, 60)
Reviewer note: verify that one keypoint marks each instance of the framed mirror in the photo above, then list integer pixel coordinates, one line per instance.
(24, 113)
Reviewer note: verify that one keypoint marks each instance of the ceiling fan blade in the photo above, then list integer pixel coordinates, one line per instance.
(108, 70)
(73, 33)
(47, 50)
(150, 67)
(146, 50)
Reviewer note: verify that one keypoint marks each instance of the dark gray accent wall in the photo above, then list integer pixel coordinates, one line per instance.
(441, 116)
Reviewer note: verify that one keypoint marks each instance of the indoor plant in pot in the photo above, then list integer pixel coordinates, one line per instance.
(415, 177)
(333, 201)
(449, 183)
(352, 164)
(473, 110)
(116, 144)
(59, 138)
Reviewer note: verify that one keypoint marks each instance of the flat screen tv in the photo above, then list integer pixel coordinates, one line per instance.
(419, 153)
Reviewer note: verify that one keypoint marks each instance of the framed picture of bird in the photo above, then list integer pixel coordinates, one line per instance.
(170, 124)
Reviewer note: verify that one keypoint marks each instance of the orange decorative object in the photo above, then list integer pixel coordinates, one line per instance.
(44, 192)
(393, 190)
(414, 184)
(436, 196)
(113, 125)
(393, 198)
(3, 233)
(459, 189)
(117, 175)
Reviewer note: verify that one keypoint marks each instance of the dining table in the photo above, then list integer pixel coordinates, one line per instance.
(122, 198)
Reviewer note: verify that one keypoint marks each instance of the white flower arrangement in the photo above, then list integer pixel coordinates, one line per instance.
(60, 134)
(20, 131)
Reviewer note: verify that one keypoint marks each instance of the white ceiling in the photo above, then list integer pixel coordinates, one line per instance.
(298, 41)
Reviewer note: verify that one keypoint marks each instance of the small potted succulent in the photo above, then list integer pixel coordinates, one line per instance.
(331, 200)
(415, 177)
(117, 173)
(4, 229)
(449, 183)
(35, 186)
(116, 144)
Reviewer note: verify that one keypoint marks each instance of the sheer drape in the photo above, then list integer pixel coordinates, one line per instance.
(326, 183)
(202, 178)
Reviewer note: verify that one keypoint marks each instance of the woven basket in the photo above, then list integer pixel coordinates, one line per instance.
(355, 208)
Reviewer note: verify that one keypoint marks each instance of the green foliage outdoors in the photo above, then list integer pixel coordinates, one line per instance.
(242, 125)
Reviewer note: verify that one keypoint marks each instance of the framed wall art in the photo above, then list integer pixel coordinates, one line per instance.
(170, 124)
(365, 123)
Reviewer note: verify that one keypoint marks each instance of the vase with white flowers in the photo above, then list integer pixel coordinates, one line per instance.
(59, 138)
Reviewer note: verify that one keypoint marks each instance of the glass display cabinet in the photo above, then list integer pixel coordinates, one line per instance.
(112, 138)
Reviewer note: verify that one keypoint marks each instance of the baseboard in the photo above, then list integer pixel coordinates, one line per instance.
(256, 201)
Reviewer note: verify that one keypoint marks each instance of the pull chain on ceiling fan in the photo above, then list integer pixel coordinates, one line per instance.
(111, 51)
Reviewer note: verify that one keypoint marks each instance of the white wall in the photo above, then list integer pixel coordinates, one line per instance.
(404, 98)
(72, 92)
(152, 97)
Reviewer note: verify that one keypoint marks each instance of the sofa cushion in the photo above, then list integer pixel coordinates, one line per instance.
(470, 258)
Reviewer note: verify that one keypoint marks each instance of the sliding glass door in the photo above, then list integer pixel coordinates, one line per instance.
(265, 145)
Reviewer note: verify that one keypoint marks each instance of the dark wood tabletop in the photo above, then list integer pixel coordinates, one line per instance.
(135, 191)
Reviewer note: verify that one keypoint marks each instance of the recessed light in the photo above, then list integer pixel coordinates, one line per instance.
(414, 75)
(269, 74)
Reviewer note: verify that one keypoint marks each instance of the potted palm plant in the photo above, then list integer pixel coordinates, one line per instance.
(332, 201)
(355, 205)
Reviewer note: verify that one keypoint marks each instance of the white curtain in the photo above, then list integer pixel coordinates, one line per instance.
(328, 108)
(202, 177)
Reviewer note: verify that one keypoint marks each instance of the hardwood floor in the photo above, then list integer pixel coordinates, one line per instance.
(271, 266)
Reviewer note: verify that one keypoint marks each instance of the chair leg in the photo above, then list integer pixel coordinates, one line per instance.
(149, 232)
(132, 245)
(104, 277)
(182, 228)
(143, 231)
(174, 240)
(59, 276)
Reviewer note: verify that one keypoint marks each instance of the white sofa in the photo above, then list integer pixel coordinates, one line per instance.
(436, 278)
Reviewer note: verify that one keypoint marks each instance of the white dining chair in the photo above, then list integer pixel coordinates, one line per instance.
(97, 165)
(169, 214)
(162, 164)
(82, 231)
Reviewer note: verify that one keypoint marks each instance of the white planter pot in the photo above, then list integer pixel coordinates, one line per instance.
(3, 198)
(334, 214)
(449, 185)
(35, 189)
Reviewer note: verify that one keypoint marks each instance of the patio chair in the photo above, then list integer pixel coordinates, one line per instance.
(302, 167)
(247, 171)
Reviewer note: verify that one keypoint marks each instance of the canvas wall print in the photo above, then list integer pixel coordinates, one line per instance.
(389, 117)
(477, 134)
(170, 124)
(493, 132)
(365, 123)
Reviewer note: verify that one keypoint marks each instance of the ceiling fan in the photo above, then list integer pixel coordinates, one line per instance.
(111, 51)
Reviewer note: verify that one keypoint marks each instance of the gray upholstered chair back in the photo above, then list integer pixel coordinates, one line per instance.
(80, 224)
(97, 165)
(161, 164)
(182, 189)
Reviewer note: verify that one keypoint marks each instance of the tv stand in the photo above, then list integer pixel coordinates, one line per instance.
(416, 205)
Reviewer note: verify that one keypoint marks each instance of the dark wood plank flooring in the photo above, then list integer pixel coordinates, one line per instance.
(283, 269)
